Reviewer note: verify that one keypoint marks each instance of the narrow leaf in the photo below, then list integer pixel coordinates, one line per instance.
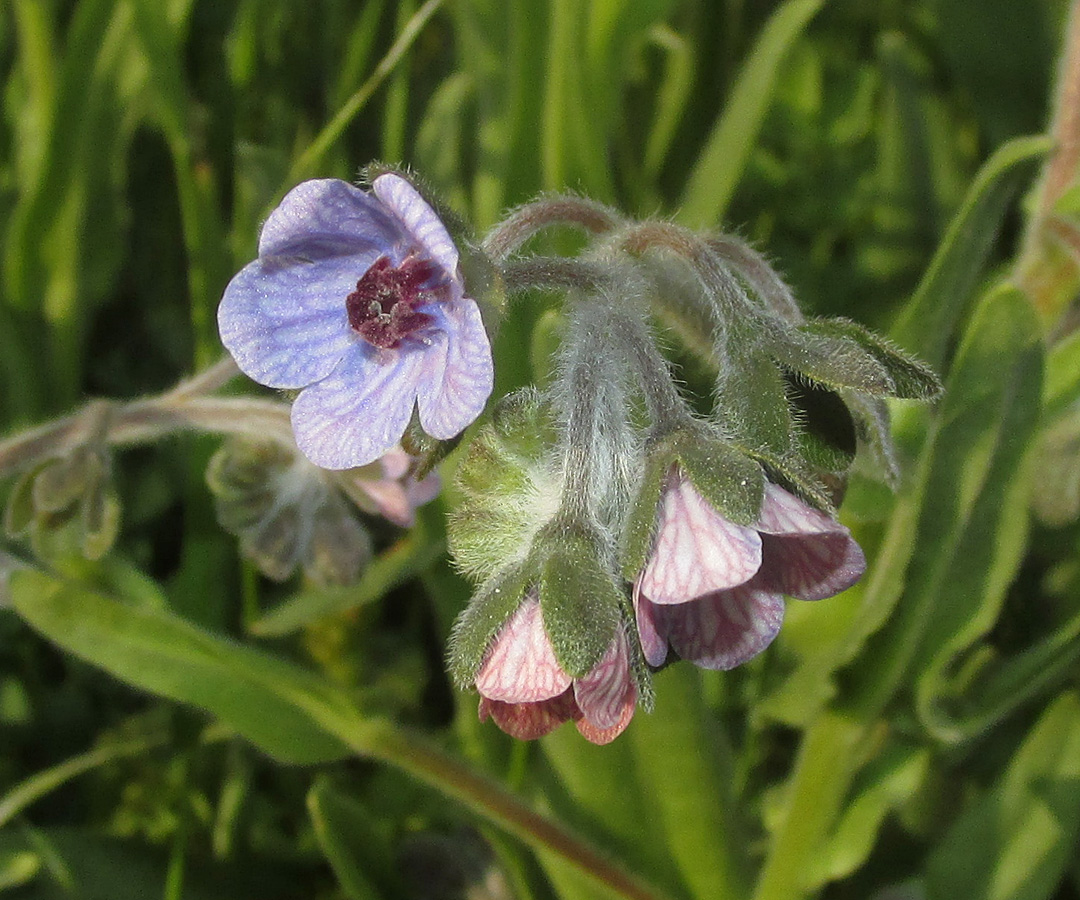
(927, 323)
(716, 174)
(277, 706)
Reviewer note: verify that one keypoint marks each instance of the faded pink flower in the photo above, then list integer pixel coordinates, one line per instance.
(713, 590)
(525, 690)
(386, 487)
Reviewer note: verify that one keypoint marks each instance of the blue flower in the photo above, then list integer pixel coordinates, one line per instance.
(356, 300)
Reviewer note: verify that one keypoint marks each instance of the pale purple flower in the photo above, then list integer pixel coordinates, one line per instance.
(527, 693)
(357, 301)
(713, 590)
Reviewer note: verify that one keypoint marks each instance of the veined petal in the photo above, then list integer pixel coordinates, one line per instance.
(286, 325)
(697, 550)
(596, 735)
(605, 693)
(813, 566)
(807, 554)
(419, 218)
(724, 629)
(457, 374)
(651, 626)
(359, 411)
(521, 666)
(528, 721)
(329, 217)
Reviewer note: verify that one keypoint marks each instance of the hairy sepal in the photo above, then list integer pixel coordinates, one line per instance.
(579, 598)
(493, 603)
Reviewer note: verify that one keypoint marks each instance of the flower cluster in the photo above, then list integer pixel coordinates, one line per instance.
(613, 525)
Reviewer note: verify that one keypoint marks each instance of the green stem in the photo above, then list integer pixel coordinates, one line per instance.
(494, 803)
(828, 760)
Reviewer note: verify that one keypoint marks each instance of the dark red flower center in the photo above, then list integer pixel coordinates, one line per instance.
(382, 309)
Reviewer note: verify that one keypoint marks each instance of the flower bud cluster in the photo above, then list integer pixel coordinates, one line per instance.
(614, 523)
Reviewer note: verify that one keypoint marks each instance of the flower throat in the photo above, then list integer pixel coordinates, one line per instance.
(382, 309)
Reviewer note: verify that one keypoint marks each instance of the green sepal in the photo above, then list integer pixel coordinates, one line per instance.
(504, 486)
(872, 430)
(834, 360)
(637, 536)
(579, 599)
(827, 434)
(493, 603)
(754, 405)
(794, 474)
(733, 483)
(19, 511)
(726, 477)
(66, 505)
(911, 379)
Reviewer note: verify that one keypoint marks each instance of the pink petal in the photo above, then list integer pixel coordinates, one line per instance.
(784, 513)
(520, 666)
(807, 554)
(419, 218)
(811, 567)
(606, 735)
(528, 721)
(725, 629)
(457, 375)
(357, 413)
(652, 630)
(697, 550)
(605, 693)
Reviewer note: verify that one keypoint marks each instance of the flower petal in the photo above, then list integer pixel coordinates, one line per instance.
(521, 667)
(807, 554)
(604, 694)
(811, 567)
(528, 721)
(651, 626)
(419, 218)
(596, 735)
(697, 550)
(286, 325)
(724, 629)
(359, 411)
(328, 217)
(457, 375)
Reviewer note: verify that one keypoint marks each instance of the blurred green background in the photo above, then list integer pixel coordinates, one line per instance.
(917, 737)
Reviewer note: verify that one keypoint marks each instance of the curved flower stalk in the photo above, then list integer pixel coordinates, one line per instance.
(357, 301)
(713, 590)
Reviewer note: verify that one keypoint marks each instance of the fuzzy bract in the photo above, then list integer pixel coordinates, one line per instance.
(713, 590)
(527, 693)
(357, 301)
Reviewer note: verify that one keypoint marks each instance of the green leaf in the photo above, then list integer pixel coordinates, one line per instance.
(1062, 387)
(275, 705)
(684, 762)
(714, 177)
(344, 830)
(882, 787)
(1017, 841)
(927, 324)
(962, 530)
